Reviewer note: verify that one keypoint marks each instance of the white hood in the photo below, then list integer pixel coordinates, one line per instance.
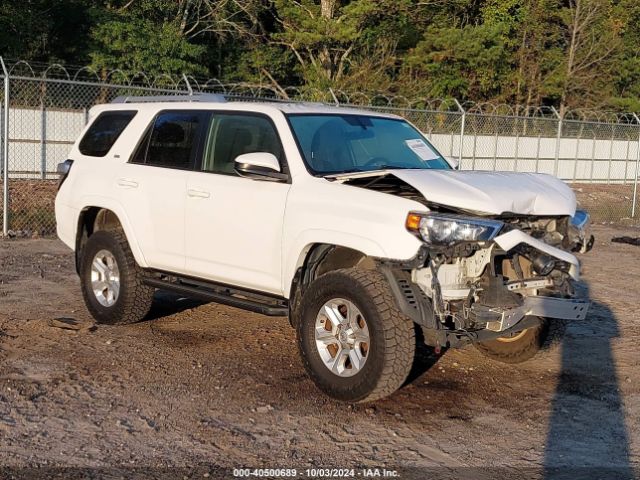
(493, 192)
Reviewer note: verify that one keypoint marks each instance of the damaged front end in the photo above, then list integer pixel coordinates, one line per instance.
(479, 278)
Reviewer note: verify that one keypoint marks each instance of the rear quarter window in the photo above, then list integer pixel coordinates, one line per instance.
(104, 132)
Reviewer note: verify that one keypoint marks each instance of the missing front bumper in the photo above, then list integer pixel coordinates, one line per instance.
(547, 307)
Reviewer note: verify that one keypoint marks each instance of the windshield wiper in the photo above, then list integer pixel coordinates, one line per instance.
(391, 167)
(361, 170)
(343, 172)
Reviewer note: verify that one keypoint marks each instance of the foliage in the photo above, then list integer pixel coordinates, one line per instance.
(467, 62)
(143, 46)
(566, 53)
(45, 30)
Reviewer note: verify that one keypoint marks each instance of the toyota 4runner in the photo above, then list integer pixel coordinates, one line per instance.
(347, 221)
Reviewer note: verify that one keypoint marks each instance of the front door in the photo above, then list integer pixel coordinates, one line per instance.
(234, 224)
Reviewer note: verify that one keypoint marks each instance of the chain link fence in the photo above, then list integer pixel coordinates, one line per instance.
(597, 153)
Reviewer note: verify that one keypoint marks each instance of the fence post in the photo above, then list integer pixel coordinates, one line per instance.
(335, 99)
(593, 158)
(558, 138)
(517, 152)
(475, 141)
(626, 160)
(186, 80)
(5, 152)
(610, 156)
(43, 142)
(451, 144)
(635, 181)
(538, 154)
(464, 118)
(495, 151)
(1, 137)
(577, 154)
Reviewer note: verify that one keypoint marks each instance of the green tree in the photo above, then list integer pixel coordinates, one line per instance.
(140, 45)
(170, 36)
(532, 35)
(46, 30)
(626, 66)
(592, 41)
(471, 62)
(566, 53)
(334, 43)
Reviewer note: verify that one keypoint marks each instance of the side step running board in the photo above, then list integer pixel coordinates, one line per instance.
(213, 292)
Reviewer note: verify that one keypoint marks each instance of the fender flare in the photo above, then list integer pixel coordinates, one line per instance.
(95, 201)
(297, 253)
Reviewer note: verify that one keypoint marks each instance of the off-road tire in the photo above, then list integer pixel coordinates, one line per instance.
(134, 299)
(533, 340)
(392, 334)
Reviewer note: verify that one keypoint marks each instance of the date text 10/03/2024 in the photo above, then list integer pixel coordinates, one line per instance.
(317, 472)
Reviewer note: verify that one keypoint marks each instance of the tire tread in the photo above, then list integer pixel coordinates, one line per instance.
(136, 297)
(397, 329)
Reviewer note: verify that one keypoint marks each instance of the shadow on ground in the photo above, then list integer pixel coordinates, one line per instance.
(167, 303)
(587, 424)
(425, 358)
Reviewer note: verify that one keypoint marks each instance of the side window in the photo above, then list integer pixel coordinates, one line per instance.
(104, 132)
(231, 135)
(172, 141)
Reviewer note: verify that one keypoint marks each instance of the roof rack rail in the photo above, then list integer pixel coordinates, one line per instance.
(198, 97)
(249, 98)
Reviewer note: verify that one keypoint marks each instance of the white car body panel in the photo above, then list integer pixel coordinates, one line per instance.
(255, 234)
(493, 192)
(321, 211)
(155, 198)
(233, 230)
(66, 223)
(67, 229)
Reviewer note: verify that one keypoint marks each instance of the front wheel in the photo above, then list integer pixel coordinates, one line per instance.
(355, 343)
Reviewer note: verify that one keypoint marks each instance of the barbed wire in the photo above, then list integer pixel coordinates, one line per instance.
(186, 82)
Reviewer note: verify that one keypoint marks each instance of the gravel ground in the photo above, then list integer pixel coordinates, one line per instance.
(207, 388)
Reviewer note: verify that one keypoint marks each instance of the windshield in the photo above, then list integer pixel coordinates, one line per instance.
(334, 144)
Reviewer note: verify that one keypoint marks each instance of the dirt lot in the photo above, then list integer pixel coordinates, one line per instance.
(210, 388)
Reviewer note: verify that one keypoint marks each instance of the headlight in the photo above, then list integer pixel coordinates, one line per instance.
(580, 219)
(578, 232)
(440, 229)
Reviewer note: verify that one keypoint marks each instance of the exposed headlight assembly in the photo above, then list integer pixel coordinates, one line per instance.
(580, 219)
(446, 230)
(579, 232)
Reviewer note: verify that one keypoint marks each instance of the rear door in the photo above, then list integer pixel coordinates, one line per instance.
(153, 185)
(234, 224)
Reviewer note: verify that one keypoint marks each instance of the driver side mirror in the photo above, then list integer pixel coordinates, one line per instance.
(259, 166)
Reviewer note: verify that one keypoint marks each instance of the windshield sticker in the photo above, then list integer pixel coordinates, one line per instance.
(422, 150)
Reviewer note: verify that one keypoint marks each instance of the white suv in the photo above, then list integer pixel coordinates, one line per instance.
(350, 222)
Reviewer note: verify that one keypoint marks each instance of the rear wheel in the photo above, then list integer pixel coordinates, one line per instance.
(111, 280)
(355, 343)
